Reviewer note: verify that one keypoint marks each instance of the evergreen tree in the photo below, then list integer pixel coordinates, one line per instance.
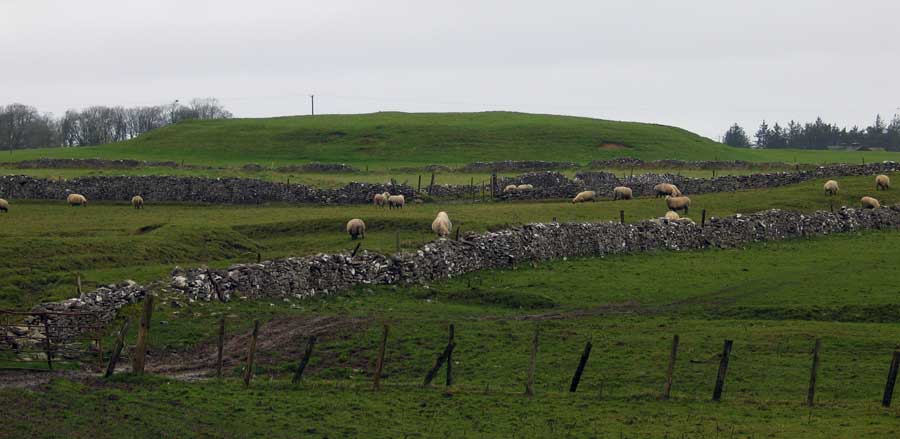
(762, 135)
(735, 136)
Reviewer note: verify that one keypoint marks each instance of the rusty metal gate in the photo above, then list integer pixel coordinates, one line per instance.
(40, 339)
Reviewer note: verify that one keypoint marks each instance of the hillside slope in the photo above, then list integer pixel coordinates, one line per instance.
(382, 140)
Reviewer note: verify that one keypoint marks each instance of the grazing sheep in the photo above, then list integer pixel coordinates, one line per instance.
(76, 200)
(380, 199)
(869, 203)
(442, 225)
(831, 187)
(664, 189)
(882, 182)
(137, 201)
(685, 220)
(4, 205)
(584, 196)
(524, 187)
(672, 216)
(622, 193)
(678, 203)
(396, 202)
(356, 228)
(510, 189)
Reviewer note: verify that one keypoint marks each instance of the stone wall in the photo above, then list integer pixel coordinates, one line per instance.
(190, 189)
(326, 274)
(630, 162)
(553, 185)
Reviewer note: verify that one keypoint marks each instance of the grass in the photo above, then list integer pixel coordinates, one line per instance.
(627, 305)
(47, 244)
(387, 140)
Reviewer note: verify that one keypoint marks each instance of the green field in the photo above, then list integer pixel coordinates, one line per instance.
(47, 244)
(388, 140)
(772, 299)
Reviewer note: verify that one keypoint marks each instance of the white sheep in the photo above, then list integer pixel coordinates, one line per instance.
(678, 203)
(831, 187)
(137, 201)
(381, 199)
(510, 189)
(664, 189)
(622, 193)
(396, 202)
(672, 216)
(442, 225)
(882, 182)
(76, 200)
(356, 228)
(524, 187)
(4, 205)
(869, 203)
(584, 196)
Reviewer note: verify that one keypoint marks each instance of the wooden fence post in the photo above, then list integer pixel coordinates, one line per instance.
(419, 190)
(221, 347)
(621, 217)
(529, 385)
(450, 340)
(306, 356)
(356, 249)
(811, 394)
(48, 348)
(580, 369)
(78, 283)
(472, 187)
(251, 354)
(891, 379)
(670, 371)
(117, 350)
(441, 359)
(703, 218)
(723, 369)
(431, 186)
(379, 362)
(137, 364)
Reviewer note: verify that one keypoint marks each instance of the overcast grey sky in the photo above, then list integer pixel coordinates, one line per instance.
(700, 65)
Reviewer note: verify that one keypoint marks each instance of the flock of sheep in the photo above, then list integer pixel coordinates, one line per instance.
(675, 201)
(80, 201)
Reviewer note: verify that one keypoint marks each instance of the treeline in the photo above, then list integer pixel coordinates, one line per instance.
(818, 135)
(23, 126)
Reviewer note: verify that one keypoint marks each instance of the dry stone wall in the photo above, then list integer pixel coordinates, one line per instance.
(190, 189)
(326, 274)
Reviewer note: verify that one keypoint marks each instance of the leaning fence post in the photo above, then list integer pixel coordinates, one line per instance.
(221, 347)
(117, 350)
(667, 388)
(703, 218)
(723, 369)
(814, 371)
(251, 354)
(580, 369)
(306, 356)
(431, 186)
(137, 364)
(78, 283)
(356, 249)
(438, 363)
(379, 362)
(529, 385)
(891, 379)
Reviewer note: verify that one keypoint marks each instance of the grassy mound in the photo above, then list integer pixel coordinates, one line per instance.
(384, 140)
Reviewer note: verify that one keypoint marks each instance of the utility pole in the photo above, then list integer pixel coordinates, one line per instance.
(312, 104)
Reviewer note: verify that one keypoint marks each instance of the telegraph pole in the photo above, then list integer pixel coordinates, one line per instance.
(312, 104)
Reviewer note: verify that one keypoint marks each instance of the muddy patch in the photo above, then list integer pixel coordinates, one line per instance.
(280, 340)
